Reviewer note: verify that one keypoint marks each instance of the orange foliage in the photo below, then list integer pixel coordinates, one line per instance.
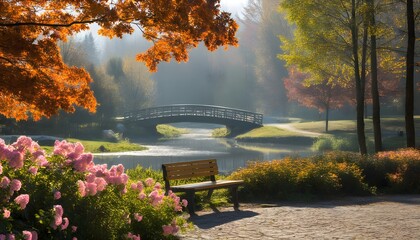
(35, 82)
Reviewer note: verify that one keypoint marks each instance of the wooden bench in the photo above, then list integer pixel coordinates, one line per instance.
(194, 169)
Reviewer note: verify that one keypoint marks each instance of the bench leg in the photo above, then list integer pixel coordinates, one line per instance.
(191, 203)
(210, 192)
(234, 192)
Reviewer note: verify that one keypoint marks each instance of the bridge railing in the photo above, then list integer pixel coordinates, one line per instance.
(195, 110)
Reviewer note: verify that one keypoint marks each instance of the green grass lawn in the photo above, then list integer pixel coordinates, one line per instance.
(94, 146)
(390, 124)
(275, 135)
(340, 132)
(268, 131)
(169, 131)
(346, 129)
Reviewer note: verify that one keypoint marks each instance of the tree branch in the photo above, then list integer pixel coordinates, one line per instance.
(19, 24)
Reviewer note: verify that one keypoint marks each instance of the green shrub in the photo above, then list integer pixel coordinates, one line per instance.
(332, 143)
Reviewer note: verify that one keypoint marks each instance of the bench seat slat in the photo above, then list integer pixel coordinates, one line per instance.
(191, 163)
(190, 175)
(191, 168)
(206, 185)
(187, 167)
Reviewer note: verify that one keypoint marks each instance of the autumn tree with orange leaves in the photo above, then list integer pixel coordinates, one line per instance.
(35, 82)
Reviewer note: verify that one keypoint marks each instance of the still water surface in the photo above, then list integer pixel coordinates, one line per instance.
(198, 144)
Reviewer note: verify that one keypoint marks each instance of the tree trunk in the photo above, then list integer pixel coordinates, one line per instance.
(409, 85)
(360, 95)
(327, 116)
(376, 110)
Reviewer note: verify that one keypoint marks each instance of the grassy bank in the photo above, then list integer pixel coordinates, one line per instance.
(168, 131)
(97, 146)
(341, 135)
(274, 135)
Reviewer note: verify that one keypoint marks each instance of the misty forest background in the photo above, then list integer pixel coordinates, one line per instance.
(250, 77)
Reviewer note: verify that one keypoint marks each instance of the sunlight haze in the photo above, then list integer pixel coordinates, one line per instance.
(233, 6)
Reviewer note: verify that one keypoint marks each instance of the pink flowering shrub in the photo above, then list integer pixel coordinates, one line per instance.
(66, 196)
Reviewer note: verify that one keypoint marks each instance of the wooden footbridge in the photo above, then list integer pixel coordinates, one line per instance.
(234, 119)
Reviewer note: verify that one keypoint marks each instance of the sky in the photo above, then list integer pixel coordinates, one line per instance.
(233, 6)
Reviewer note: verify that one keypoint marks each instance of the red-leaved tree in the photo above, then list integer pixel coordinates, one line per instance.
(322, 96)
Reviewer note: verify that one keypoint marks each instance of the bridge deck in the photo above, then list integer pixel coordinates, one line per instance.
(193, 110)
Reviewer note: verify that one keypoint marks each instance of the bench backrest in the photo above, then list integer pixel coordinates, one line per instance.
(192, 169)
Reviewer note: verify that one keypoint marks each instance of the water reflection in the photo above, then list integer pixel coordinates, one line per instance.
(198, 144)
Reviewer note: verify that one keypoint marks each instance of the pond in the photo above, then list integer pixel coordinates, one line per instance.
(198, 144)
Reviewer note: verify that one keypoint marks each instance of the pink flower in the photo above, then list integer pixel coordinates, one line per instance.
(38, 154)
(184, 202)
(33, 170)
(24, 142)
(62, 148)
(27, 235)
(84, 162)
(140, 186)
(41, 161)
(73, 228)
(58, 210)
(82, 188)
(149, 182)
(90, 177)
(6, 213)
(142, 196)
(158, 186)
(11, 236)
(134, 186)
(167, 230)
(1, 169)
(57, 195)
(120, 169)
(91, 189)
(57, 221)
(22, 200)
(34, 235)
(5, 181)
(138, 217)
(2, 237)
(100, 183)
(77, 150)
(133, 237)
(15, 185)
(65, 224)
(155, 197)
(15, 159)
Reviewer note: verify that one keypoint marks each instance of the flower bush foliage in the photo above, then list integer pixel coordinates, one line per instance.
(66, 196)
(332, 174)
(290, 177)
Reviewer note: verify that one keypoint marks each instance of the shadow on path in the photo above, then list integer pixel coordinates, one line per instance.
(206, 221)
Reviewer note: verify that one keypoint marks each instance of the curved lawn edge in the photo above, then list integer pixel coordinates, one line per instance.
(298, 140)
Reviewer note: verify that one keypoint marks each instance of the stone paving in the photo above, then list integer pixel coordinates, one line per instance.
(389, 217)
